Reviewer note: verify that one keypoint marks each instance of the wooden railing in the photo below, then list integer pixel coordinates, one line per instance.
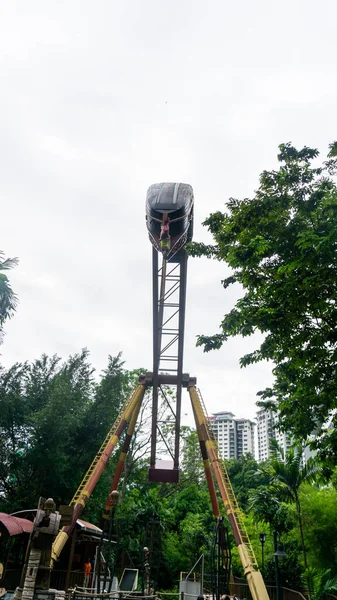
(57, 582)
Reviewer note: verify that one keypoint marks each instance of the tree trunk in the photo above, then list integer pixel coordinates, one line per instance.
(299, 515)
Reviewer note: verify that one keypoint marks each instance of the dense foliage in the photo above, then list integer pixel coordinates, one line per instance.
(54, 416)
(281, 246)
(271, 495)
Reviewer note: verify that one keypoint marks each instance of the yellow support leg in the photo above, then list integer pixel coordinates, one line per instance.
(254, 578)
(96, 468)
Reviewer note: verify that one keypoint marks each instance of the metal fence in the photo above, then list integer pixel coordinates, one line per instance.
(241, 590)
(238, 589)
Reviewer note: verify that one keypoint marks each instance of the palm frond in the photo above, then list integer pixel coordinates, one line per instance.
(7, 263)
(8, 299)
(330, 586)
(275, 449)
(310, 470)
(321, 582)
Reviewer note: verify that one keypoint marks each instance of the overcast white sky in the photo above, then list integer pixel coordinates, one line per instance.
(101, 99)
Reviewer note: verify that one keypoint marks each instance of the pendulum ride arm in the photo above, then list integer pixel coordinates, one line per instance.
(97, 467)
(246, 552)
(156, 330)
(169, 301)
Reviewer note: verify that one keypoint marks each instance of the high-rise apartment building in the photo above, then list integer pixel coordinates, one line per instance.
(284, 441)
(266, 421)
(235, 437)
(265, 432)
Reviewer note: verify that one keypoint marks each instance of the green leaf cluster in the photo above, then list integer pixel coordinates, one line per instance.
(281, 248)
(54, 416)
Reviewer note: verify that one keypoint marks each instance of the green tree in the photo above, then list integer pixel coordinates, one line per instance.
(54, 417)
(288, 476)
(274, 515)
(57, 448)
(8, 300)
(319, 507)
(191, 464)
(14, 431)
(266, 507)
(281, 249)
(245, 477)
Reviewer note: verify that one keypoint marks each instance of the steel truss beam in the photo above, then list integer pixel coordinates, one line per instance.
(169, 302)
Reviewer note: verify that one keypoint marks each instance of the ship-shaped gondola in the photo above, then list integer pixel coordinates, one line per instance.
(169, 217)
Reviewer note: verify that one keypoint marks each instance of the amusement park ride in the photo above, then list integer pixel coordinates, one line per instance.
(169, 218)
